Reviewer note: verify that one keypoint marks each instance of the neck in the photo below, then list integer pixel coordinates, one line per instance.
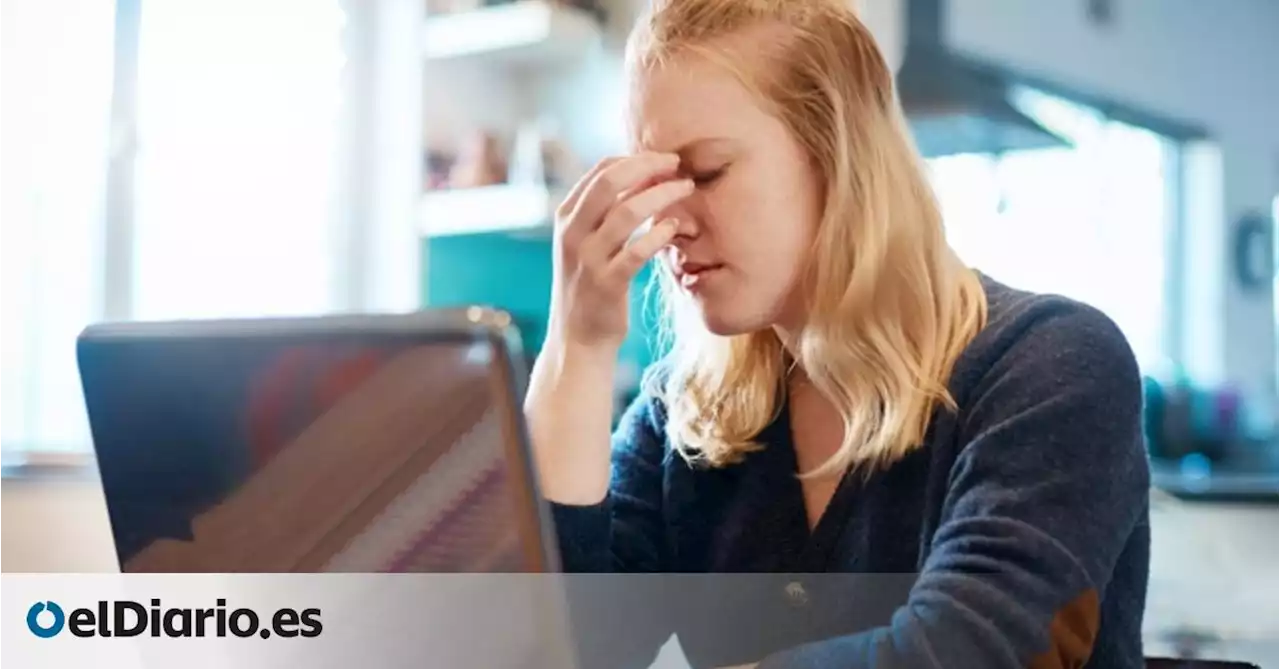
(790, 338)
(791, 322)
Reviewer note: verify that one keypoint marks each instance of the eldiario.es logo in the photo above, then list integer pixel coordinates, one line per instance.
(124, 618)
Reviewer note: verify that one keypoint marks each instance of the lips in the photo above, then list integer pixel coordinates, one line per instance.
(689, 274)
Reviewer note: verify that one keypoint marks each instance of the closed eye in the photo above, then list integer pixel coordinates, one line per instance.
(706, 178)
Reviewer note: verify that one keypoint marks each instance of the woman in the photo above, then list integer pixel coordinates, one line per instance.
(842, 394)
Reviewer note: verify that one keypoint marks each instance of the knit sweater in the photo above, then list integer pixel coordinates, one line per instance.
(1016, 535)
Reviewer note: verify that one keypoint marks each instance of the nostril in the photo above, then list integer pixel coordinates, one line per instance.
(686, 230)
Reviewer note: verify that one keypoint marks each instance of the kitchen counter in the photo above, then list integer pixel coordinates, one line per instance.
(1215, 570)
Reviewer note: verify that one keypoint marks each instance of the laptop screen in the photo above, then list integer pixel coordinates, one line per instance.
(281, 453)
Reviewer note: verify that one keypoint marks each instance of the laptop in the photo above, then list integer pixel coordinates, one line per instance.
(371, 444)
(338, 444)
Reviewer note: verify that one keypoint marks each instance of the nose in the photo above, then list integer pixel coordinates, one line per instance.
(687, 226)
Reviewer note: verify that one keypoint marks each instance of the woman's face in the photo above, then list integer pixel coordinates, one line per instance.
(744, 235)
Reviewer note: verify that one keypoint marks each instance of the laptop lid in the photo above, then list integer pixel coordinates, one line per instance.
(390, 443)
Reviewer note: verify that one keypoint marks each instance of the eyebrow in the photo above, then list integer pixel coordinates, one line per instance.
(701, 141)
(692, 144)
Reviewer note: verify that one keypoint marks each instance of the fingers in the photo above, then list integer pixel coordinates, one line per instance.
(629, 214)
(571, 200)
(627, 263)
(613, 180)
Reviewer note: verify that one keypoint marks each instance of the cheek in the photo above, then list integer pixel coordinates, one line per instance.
(754, 225)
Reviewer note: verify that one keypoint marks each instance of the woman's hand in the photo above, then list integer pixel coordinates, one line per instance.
(569, 405)
(594, 261)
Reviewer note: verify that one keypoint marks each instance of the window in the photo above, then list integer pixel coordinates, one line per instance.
(239, 134)
(1088, 221)
(237, 147)
(57, 77)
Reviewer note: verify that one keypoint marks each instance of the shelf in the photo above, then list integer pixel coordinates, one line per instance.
(526, 32)
(524, 210)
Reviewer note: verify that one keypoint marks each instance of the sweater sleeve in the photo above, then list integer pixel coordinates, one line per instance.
(1050, 482)
(616, 551)
(623, 533)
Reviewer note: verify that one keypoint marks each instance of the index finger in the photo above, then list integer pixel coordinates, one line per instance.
(619, 178)
(571, 200)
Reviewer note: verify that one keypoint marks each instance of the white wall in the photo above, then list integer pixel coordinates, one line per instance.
(1212, 64)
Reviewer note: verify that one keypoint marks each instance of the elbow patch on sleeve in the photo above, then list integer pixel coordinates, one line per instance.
(1071, 634)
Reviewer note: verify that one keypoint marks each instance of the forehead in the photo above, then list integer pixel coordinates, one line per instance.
(685, 101)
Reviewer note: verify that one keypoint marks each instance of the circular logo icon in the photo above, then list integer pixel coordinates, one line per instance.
(41, 630)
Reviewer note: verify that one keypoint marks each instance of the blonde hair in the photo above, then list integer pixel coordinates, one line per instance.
(890, 305)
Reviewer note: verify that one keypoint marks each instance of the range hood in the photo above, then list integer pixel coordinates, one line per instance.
(955, 104)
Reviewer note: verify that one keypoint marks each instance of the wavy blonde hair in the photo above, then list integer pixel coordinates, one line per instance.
(890, 305)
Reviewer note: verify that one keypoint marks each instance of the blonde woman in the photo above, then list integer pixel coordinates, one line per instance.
(842, 393)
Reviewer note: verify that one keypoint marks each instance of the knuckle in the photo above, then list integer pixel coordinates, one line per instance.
(570, 240)
(611, 181)
(635, 255)
(631, 212)
(597, 274)
(568, 256)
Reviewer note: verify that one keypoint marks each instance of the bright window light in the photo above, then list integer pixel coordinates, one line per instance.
(1088, 222)
(239, 132)
(57, 57)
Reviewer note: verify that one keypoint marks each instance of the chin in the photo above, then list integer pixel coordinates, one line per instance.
(726, 320)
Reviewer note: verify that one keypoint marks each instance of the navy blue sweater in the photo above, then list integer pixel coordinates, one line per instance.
(1018, 531)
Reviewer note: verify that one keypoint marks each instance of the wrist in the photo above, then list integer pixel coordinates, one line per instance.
(565, 349)
(597, 355)
(565, 364)
(582, 365)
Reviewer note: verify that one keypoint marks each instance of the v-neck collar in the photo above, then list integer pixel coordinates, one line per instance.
(812, 548)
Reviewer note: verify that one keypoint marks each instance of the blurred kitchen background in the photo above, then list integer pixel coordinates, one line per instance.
(206, 158)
